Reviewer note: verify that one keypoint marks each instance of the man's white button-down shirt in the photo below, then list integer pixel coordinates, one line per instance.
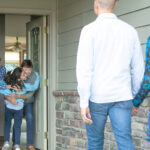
(110, 64)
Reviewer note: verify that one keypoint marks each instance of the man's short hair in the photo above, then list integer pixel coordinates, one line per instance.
(106, 4)
(27, 63)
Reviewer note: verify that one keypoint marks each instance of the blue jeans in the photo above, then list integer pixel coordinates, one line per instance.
(17, 115)
(28, 111)
(120, 117)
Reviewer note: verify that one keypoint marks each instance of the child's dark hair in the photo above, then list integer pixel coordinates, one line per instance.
(27, 63)
(13, 78)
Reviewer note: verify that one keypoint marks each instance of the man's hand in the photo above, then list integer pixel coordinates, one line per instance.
(134, 110)
(12, 98)
(86, 116)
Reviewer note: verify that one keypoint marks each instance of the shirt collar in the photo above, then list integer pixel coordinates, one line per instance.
(107, 16)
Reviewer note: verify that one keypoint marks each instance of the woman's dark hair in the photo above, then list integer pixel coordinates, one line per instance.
(13, 78)
(27, 63)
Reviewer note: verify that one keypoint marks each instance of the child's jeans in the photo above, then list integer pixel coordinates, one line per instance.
(17, 115)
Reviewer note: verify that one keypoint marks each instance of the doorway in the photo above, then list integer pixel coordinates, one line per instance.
(36, 49)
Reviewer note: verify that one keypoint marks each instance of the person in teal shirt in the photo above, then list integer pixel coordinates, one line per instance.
(145, 88)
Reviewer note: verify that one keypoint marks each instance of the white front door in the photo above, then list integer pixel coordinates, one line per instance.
(36, 47)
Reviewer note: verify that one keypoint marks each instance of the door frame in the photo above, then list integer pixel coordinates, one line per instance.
(52, 40)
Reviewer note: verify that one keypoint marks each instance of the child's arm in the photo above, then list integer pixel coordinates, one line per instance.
(33, 87)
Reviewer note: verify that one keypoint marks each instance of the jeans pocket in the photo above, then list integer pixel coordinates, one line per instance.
(126, 104)
(97, 107)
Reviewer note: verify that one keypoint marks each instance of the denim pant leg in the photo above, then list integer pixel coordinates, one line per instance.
(120, 116)
(148, 128)
(95, 131)
(28, 110)
(8, 118)
(17, 126)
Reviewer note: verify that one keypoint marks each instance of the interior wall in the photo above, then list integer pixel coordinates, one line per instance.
(15, 25)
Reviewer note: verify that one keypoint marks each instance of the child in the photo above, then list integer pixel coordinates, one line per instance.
(13, 111)
(15, 79)
(145, 88)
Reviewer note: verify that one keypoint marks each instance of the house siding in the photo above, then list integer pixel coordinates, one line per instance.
(72, 16)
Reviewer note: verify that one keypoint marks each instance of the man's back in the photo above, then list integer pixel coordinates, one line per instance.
(109, 73)
(112, 47)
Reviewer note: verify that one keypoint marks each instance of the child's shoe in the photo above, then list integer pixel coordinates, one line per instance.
(17, 147)
(5, 146)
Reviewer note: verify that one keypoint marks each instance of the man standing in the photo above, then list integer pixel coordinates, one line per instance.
(110, 68)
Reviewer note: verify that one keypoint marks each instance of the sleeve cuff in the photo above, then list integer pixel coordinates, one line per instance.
(84, 104)
(136, 103)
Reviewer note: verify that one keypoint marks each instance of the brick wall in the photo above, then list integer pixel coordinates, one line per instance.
(71, 133)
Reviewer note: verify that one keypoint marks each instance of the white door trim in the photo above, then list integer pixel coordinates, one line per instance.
(52, 38)
(22, 11)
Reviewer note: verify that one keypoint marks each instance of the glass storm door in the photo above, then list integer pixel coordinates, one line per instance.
(36, 51)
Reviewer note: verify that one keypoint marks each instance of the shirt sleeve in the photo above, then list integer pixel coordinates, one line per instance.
(30, 94)
(137, 66)
(2, 72)
(145, 86)
(84, 67)
(33, 87)
(3, 86)
(5, 92)
(30, 97)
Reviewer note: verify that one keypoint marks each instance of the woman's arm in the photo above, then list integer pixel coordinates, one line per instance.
(145, 86)
(33, 87)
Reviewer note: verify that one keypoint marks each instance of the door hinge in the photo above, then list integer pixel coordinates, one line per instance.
(46, 82)
(45, 135)
(45, 30)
